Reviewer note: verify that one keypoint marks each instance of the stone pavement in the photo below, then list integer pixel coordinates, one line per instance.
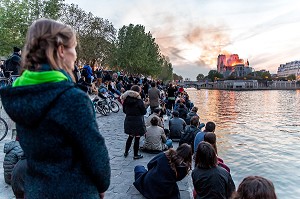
(122, 176)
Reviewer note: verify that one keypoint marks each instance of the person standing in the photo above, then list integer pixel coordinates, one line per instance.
(87, 72)
(176, 126)
(12, 64)
(134, 124)
(56, 124)
(154, 95)
(171, 91)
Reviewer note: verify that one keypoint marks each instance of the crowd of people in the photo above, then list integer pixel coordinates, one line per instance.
(60, 153)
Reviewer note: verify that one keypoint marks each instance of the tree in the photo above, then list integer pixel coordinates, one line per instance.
(15, 19)
(167, 69)
(177, 77)
(200, 77)
(137, 52)
(213, 75)
(17, 15)
(96, 36)
(291, 77)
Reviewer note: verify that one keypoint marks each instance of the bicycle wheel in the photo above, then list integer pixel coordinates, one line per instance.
(3, 128)
(102, 110)
(114, 107)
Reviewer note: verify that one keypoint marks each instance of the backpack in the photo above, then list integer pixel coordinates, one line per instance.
(7, 66)
(84, 72)
(188, 137)
(11, 64)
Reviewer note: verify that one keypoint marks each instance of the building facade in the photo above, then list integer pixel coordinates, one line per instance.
(232, 65)
(290, 68)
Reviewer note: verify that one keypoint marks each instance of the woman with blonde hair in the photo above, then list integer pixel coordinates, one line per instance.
(55, 121)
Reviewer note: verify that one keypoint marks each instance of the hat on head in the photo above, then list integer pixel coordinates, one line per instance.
(16, 49)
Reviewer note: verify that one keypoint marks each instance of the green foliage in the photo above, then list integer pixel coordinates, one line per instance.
(177, 77)
(291, 77)
(200, 77)
(14, 23)
(17, 15)
(96, 36)
(167, 70)
(137, 52)
(213, 75)
(263, 75)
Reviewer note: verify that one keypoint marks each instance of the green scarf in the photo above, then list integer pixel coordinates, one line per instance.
(39, 77)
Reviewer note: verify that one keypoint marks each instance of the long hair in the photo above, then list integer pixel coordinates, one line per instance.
(211, 138)
(255, 187)
(205, 156)
(43, 38)
(183, 154)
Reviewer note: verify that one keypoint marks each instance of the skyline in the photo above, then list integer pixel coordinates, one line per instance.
(193, 34)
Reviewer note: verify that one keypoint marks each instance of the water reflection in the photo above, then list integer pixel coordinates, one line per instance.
(258, 133)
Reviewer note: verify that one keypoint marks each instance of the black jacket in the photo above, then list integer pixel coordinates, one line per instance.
(57, 129)
(135, 110)
(213, 183)
(159, 182)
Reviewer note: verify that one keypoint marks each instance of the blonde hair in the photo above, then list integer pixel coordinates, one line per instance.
(43, 38)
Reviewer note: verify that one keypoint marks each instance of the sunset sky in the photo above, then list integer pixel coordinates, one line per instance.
(193, 33)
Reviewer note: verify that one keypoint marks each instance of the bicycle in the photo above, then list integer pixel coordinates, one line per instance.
(112, 105)
(3, 127)
(100, 107)
(7, 81)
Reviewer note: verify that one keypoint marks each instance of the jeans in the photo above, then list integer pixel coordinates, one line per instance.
(139, 170)
(169, 143)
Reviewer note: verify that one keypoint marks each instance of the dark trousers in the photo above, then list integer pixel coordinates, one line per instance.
(135, 145)
(139, 170)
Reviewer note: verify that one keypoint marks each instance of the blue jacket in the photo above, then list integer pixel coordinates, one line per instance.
(57, 129)
(89, 70)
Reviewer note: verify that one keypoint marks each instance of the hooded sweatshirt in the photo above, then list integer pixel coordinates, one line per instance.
(57, 129)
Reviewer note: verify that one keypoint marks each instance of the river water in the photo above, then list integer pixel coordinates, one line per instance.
(258, 133)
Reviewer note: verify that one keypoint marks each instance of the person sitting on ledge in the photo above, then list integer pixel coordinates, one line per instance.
(176, 126)
(210, 180)
(255, 187)
(164, 170)
(155, 138)
(156, 113)
(192, 113)
(190, 132)
(209, 127)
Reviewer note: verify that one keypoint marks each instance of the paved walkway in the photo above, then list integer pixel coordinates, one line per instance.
(122, 177)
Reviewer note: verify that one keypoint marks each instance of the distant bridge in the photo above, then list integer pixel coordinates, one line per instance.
(243, 85)
(197, 84)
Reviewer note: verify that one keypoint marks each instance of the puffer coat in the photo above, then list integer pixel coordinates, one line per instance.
(13, 153)
(135, 110)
